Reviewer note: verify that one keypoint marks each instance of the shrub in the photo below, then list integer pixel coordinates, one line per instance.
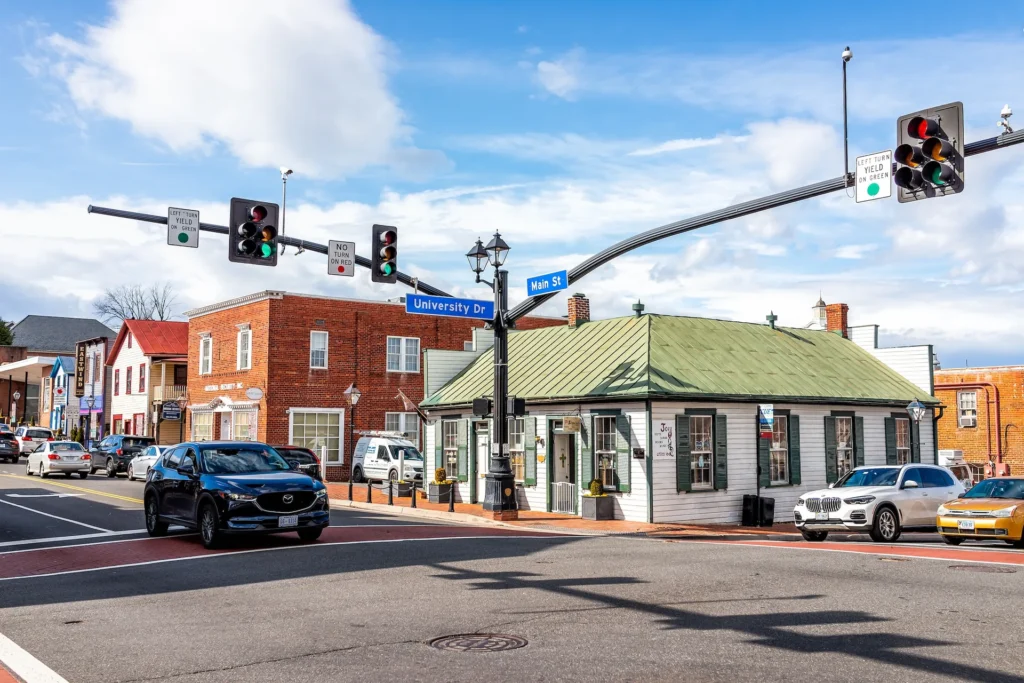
(596, 489)
(440, 476)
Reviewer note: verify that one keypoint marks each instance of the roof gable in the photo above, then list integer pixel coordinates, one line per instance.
(55, 334)
(67, 363)
(154, 337)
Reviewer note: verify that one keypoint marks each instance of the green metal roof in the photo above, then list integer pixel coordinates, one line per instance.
(661, 356)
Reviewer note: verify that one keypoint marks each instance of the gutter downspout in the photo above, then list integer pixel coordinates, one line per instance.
(935, 430)
(988, 414)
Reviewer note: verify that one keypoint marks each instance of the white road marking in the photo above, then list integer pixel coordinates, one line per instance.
(44, 495)
(24, 665)
(58, 539)
(89, 545)
(760, 544)
(63, 519)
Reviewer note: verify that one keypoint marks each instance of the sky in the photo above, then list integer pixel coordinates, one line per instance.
(567, 126)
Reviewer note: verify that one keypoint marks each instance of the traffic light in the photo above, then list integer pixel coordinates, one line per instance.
(385, 254)
(930, 153)
(252, 232)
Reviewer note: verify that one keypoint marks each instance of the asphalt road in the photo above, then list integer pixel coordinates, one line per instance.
(363, 604)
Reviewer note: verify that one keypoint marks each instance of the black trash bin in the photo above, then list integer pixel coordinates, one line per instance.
(767, 511)
(749, 510)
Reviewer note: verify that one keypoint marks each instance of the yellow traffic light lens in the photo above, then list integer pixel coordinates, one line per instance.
(388, 253)
(268, 233)
(937, 148)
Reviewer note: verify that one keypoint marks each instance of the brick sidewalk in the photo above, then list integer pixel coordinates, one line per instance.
(559, 522)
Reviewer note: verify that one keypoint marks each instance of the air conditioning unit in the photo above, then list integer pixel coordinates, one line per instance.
(949, 456)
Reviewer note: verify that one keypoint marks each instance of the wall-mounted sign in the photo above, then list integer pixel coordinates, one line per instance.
(80, 369)
(766, 419)
(571, 424)
(664, 439)
(254, 393)
(171, 411)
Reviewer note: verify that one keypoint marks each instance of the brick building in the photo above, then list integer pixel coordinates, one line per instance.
(983, 417)
(273, 366)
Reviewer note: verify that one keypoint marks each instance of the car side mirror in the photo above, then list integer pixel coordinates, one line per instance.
(832, 485)
(910, 484)
(187, 470)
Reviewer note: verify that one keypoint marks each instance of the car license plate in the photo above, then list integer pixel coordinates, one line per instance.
(821, 516)
(965, 524)
(69, 457)
(289, 520)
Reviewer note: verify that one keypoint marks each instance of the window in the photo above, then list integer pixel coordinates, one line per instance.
(604, 451)
(701, 452)
(977, 473)
(517, 447)
(46, 394)
(316, 430)
(129, 340)
(844, 445)
(403, 354)
(467, 346)
(244, 425)
(407, 423)
(935, 479)
(128, 380)
(967, 408)
(317, 349)
(902, 440)
(206, 355)
(173, 459)
(142, 378)
(244, 361)
(202, 426)
(450, 445)
(117, 382)
(779, 454)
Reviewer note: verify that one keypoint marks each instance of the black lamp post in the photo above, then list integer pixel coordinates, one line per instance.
(91, 402)
(352, 394)
(500, 486)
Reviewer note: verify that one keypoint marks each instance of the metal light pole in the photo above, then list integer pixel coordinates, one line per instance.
(91, 402)
(285, 172)
(500, 486)
(916, 410)
(847, 56)
(352, 394)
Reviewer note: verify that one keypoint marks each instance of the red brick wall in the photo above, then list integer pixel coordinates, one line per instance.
(837, 318)
(974, 441)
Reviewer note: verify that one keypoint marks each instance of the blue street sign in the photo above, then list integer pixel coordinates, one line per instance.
(449, 306)
(170, 411)
(544, 284)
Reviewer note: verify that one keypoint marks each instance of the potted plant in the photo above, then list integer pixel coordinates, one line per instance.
(597, 504)
(404, 489)
(440, 490)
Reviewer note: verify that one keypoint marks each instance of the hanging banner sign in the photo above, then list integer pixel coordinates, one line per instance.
(766, 419)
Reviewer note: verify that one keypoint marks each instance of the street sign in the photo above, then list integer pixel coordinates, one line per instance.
(874, 176)
(545, 284)
(341, 258)
(80, 369)
(182, 227)
(171, 411)
(766, 419)
(60, 396)
(449, 306)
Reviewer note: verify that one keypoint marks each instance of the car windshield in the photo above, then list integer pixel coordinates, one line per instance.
(242, 460)
(409, 453)
(875, 476)
(998, 488)
(66, 446)
(134, 443)
(297, 456)
(38, 434)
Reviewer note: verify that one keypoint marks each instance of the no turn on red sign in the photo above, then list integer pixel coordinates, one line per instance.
(341, 258)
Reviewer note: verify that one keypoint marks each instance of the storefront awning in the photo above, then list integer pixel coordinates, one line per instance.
(36, 366)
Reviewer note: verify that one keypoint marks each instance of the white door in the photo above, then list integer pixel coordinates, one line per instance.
(483, 459)
(913, 502)
(561, 464)
(225, 427)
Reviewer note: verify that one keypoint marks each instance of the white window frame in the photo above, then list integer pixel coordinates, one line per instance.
(708, 449)
(206, 355)
(904, 454)
(240, 418)
(342, 434)
(403, 355)
(517, 447)
(778, 456)
(604, 451)
(327, 338)
(450, 448)
(967, 411)
(245, 334)
(851, 448)
(208, 434)
(403, 426)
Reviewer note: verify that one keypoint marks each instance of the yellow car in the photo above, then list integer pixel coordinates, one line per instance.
(992, 510)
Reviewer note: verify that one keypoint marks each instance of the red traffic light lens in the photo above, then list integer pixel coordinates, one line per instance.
(921, 128)
(388, 237)
(258, 212)
(248, 230)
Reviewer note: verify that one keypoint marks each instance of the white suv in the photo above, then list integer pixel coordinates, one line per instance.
(883, 501)
(377, 458)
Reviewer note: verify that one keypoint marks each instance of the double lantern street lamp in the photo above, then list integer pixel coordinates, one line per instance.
(500, 487)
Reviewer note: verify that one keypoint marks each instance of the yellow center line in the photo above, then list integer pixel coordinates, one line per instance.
(78, 488)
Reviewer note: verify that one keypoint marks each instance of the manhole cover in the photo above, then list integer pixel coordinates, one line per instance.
(478, 642)
(983, 568)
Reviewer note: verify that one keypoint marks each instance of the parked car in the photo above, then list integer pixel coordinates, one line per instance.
(140, 464)
(6, 428)
(65, 457)
(992, 510)
(883, 501)
(301, 459)
(29, 437)
(10, 449)
(233, 487)
(377, 458)
(116, 451)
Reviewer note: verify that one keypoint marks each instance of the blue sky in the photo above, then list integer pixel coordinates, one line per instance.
(566, 125)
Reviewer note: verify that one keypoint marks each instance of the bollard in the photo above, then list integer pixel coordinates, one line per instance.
(350, 488)
(369, 487)
(391, 492)
(414, 493)
(451, 498)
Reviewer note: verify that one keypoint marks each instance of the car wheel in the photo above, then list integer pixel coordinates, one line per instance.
(28, 469)
(83, 475)
(111, 470)
(131, 476)
(92, 470)
(208, 526)
(310, 535)
(815, 536)
(153, 524)
(393, 476)
(886, 528)
(357, 475)
(42, 474)
(952, 540)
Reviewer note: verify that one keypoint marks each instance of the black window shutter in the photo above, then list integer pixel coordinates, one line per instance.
(682, 453)
(721, 453)
(890, 441)
(530, 446)
(831, 451)
(462, 431)
(794, 449)
(622, 453)
(763, 455)
(858, 442)
(586, 451)
(915, 441)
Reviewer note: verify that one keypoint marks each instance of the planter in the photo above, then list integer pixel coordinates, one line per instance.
(439, 493)
(598, 507)
(403, 489)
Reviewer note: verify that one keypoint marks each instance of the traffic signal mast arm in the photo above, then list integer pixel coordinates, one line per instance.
(729, 213)
(223, 230)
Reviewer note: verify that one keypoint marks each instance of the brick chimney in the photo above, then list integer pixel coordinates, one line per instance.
(837, 318)
(579, 310)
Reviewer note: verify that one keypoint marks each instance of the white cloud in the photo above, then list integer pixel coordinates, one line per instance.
(562, 76)
(676, 146)
(855, 251)
(303, 84)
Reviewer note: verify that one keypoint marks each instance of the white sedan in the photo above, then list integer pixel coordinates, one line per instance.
(65, 457)
(140, 464)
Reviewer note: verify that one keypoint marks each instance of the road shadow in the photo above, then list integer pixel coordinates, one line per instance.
(773, 629)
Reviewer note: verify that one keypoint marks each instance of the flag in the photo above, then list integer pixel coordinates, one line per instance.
(409, 405)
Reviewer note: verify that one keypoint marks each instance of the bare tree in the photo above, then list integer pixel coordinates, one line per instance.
(136, 302)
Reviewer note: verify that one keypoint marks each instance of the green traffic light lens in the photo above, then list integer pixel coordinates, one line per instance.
(387, 268)
(266, 250)
(936, 176)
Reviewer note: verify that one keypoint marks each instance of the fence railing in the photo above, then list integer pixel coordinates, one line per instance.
(168, 392)
(563, 497)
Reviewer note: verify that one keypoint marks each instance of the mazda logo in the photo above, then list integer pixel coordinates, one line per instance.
(287, 498)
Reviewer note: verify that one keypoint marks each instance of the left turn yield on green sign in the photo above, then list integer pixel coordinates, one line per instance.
(182, 227)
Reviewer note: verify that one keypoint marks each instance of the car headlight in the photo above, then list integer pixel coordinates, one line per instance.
(239, 496)
(943, 510)
(1004, 512)
(859, 500)
(321, 493)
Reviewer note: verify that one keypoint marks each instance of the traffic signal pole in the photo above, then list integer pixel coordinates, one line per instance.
(281, 239)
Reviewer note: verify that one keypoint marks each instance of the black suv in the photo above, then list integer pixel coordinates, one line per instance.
(9, 448)
(116, 451)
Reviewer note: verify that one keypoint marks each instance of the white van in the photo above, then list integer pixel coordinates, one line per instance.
(377, 457)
